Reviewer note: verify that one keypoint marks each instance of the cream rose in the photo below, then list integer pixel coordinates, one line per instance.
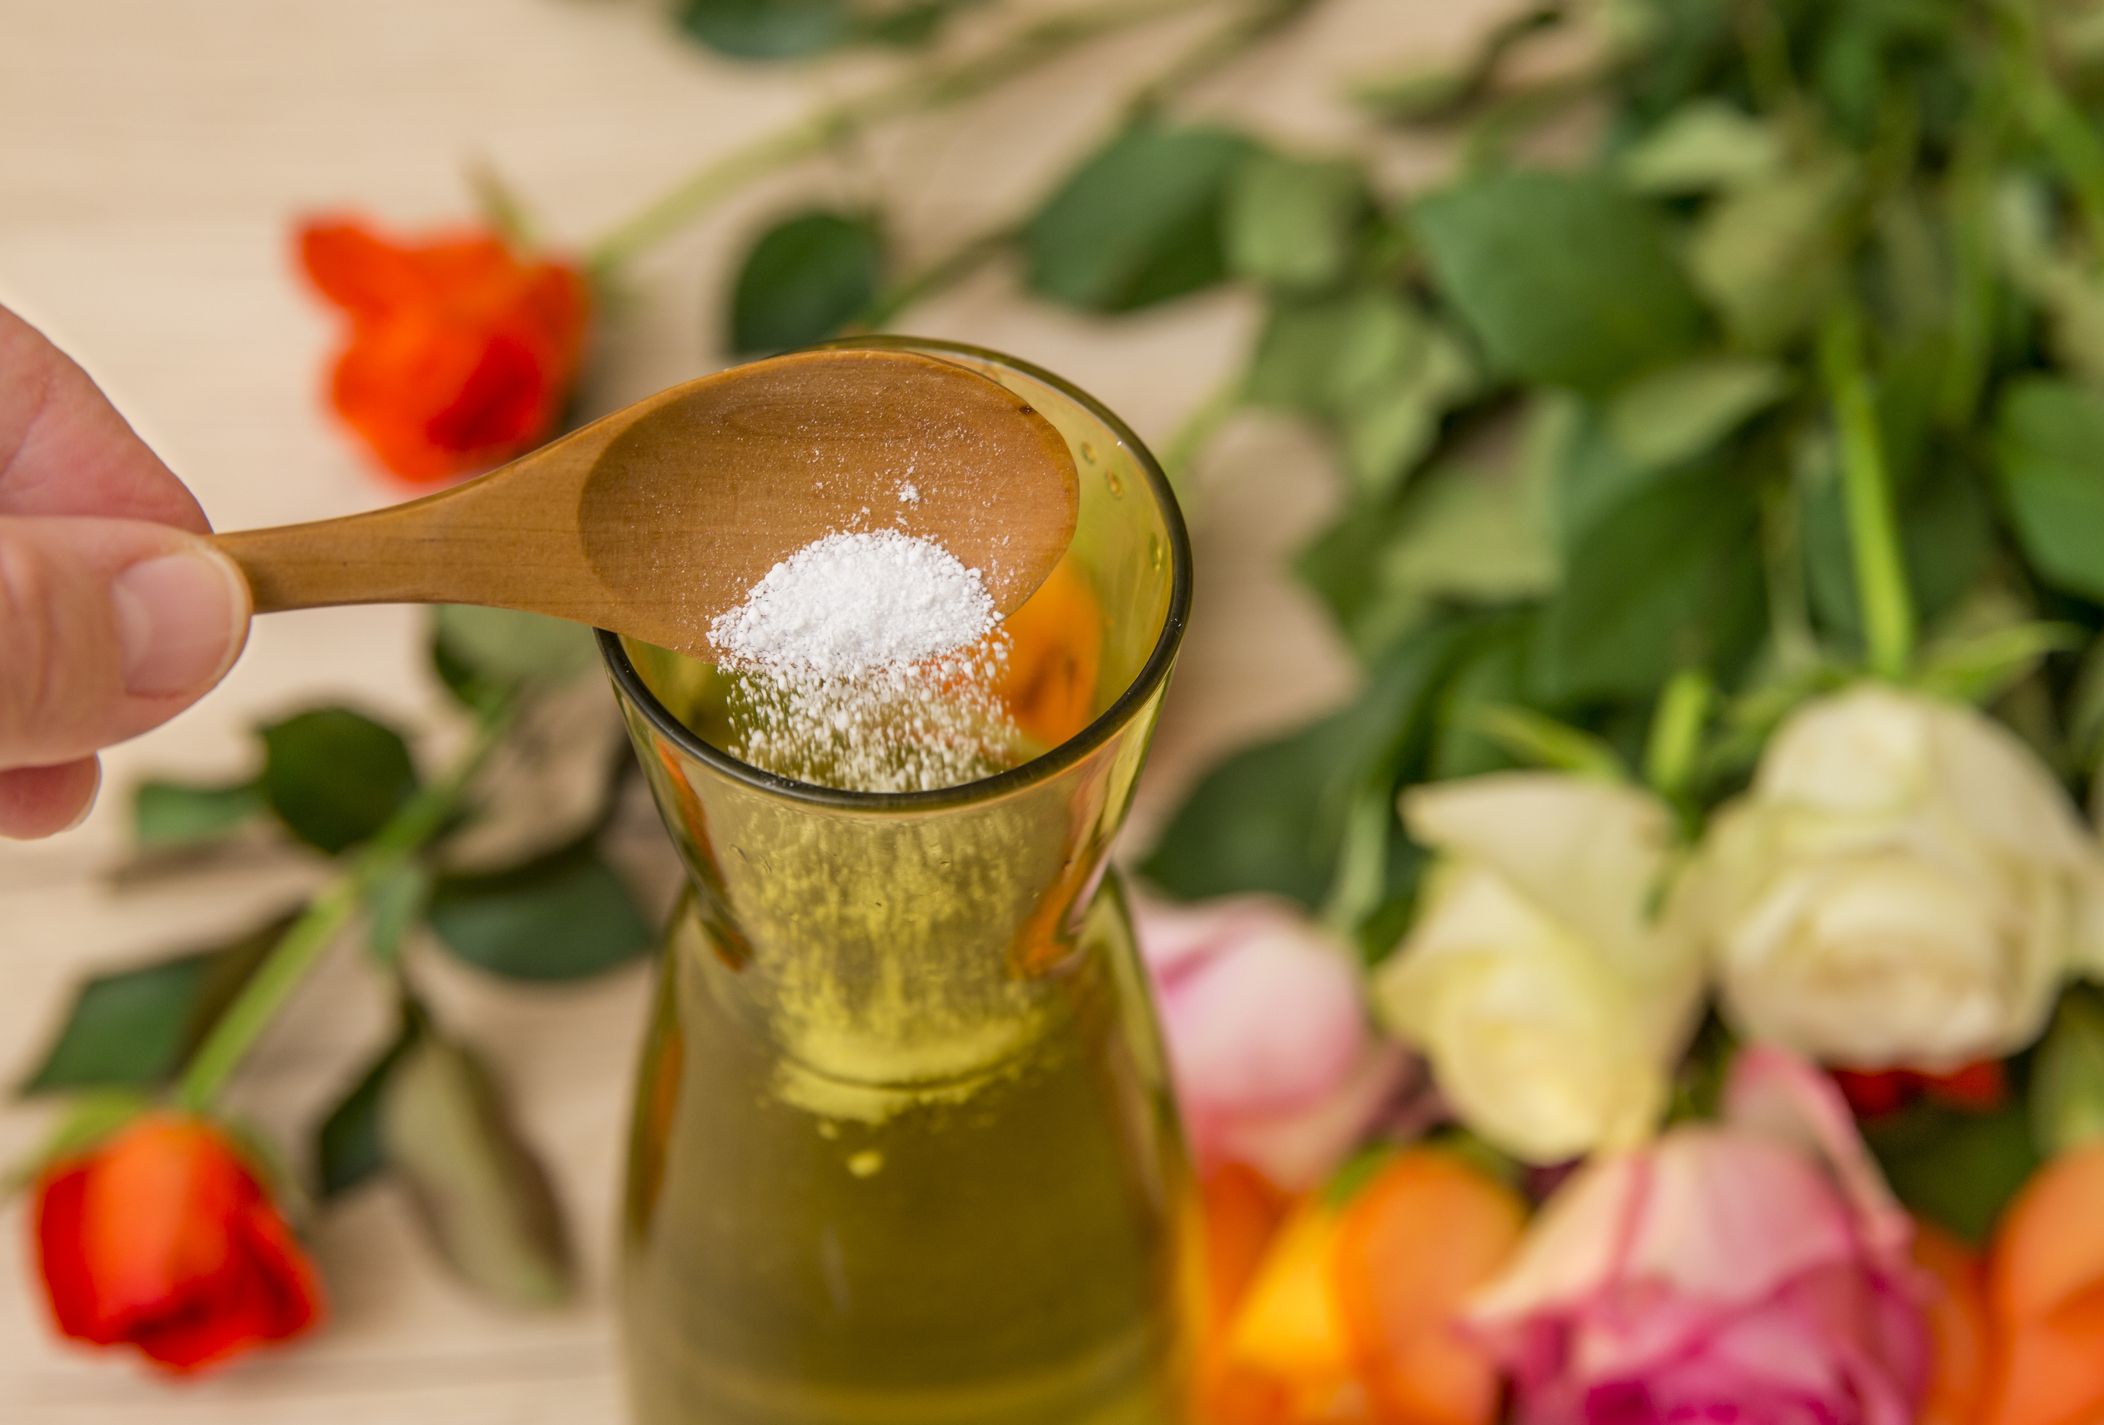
(1535, 979)
(1904, 886)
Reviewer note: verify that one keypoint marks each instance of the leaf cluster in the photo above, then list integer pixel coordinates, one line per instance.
(1607, 426)
(335, 782)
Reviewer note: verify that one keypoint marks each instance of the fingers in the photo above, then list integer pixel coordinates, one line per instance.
(64, 450)
(42, 801)
(107, 628)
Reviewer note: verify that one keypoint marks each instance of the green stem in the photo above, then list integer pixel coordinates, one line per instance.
(935, 87)
(1866, 487)
(502, 208)
(1181, 451)
(1221, 47)
(945, 271)
(1218, 47)
(297, 951)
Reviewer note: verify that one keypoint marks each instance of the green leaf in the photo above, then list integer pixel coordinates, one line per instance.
(1663, 576)
(2067, 1077)
(1703, 146)
(133, 1028)
(170, 814)
(1687, 410)
(335, 776)
(1564, 278)
(1958, 1169)
(507, 649)
(1385, 439)
(1768, 255)
(561, 917)
(1371, 367)
(1982, 667)
(395, 900)
(1272, 818)
(482, 1196)
(1478, 535)
(1460, 534)
(1293, 222)
(766, 29)
(347, 1147)
(2048, 435)
(804, 279)
(1333, 355)
(1139, 222)
(908, 25)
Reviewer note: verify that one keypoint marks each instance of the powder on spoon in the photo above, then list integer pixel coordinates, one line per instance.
(848, 602)
(868, 661)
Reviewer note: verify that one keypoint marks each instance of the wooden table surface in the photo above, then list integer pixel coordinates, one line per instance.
(152, 157)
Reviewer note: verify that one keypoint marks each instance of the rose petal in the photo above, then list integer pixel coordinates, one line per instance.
(1275, 1023)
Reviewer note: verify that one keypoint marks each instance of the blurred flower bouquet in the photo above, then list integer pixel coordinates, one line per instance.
(1707, 1037)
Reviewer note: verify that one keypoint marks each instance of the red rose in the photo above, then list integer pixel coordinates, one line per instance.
(1982, 1087)
(461, 354)
(161, 1238)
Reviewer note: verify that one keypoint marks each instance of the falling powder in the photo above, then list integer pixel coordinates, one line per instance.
(868, 660)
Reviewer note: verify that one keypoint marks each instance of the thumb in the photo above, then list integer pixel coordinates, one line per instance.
(107, 628)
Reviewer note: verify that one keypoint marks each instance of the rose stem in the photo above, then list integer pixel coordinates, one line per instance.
(931, 88)
(420, 818)
(1866, 487)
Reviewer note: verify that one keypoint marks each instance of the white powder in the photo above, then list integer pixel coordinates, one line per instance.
(849, 602)
(868, 661)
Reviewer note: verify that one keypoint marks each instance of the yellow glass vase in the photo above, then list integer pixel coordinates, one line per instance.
(904, 1149)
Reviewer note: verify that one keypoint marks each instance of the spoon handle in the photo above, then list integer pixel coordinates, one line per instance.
(445, 549)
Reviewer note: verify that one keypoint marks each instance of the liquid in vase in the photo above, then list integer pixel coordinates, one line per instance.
(989, 1248)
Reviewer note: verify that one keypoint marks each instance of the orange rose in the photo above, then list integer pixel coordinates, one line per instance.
(2045, 1293)
(1352, 1314)
(161, 1238)
(1413, 1246)
(460, 354)
(1957, 1312)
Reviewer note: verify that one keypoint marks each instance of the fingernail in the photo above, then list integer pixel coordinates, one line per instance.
(87, 806)
(181, 618)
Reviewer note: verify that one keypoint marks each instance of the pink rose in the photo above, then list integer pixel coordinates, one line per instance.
(1754, 1270)
(1276, 1066)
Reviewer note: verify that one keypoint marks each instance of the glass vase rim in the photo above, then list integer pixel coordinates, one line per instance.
(628, 680)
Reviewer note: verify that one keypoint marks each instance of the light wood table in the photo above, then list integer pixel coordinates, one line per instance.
(152, 158)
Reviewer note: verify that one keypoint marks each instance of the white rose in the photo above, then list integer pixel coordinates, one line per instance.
(1904, 886)
(1550, 1004)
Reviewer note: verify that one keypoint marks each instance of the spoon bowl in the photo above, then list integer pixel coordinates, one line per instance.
(652, 521)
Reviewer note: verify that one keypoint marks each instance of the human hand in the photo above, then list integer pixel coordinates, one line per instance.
(114, 614)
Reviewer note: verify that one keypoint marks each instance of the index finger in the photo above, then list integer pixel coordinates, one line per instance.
(64, 450)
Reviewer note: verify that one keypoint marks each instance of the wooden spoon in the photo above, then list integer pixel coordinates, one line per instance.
(655, 519)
